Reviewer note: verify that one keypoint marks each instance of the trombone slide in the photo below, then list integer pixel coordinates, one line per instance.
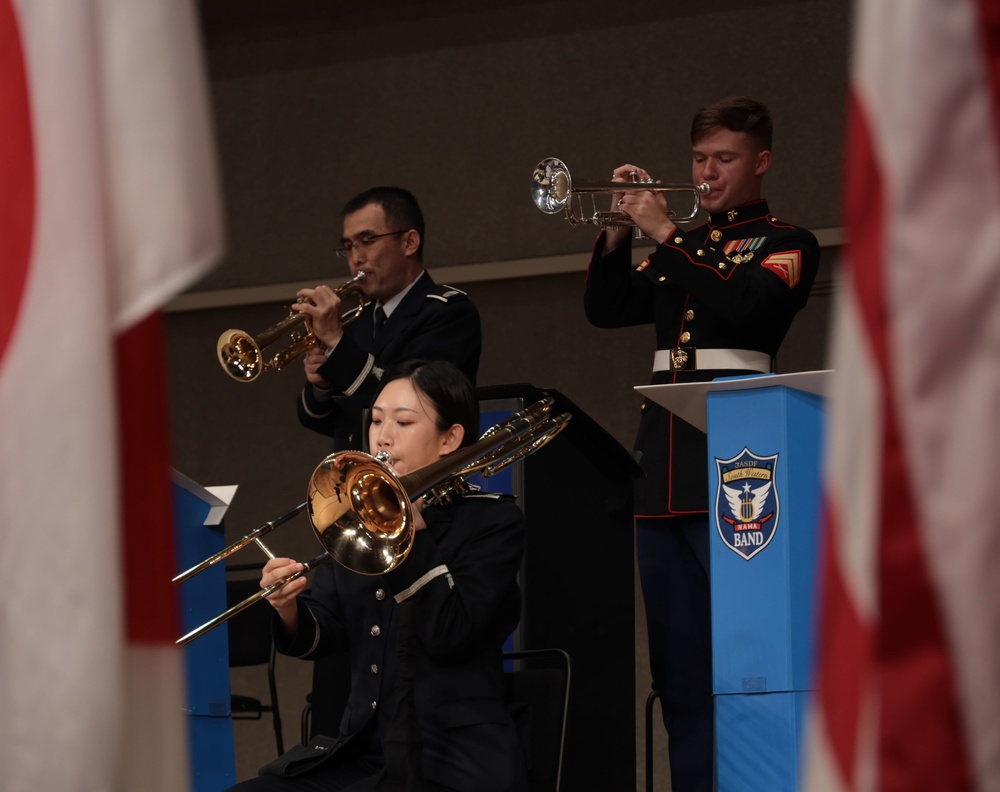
(254, 537)
(253, 599)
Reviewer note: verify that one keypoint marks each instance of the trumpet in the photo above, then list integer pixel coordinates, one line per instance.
(241, 355)
(553, 190)
(361, 512)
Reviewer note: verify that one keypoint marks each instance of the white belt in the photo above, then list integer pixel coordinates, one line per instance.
(692, 359)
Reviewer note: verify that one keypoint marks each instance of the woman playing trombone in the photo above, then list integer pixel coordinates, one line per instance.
(452, 603)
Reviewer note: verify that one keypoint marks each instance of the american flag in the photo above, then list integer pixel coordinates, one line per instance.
(909, 674)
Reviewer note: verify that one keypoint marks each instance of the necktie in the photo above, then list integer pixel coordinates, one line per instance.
(379, 320)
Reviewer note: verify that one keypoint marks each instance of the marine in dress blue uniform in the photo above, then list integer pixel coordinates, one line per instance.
(721, 297)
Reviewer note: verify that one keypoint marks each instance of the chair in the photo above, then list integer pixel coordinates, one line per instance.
(537, 692)
(250, 644)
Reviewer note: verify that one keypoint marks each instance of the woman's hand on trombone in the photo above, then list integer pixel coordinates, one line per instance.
(284, 599)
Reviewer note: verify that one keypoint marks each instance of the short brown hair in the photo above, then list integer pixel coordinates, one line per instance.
(737, 114)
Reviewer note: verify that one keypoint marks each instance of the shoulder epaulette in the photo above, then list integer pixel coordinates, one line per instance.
(443, 292)
(778, 223)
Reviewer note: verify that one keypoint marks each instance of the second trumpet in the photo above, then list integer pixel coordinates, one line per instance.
(242, 355)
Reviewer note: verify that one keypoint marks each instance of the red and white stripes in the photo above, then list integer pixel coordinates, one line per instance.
(908, 691)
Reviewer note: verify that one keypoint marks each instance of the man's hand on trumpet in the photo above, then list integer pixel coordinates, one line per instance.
(322, 306)
(647, 209)
(313, 359)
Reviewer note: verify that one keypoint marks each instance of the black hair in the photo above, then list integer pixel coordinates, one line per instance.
(737, 114)
(448, 389)
(402, 212)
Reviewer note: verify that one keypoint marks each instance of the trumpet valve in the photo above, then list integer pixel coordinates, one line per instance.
(610, 220)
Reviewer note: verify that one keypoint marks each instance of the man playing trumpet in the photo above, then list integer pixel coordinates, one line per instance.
(407, 316)
(721, 297)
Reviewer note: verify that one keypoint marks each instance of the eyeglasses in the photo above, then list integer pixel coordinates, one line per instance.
(362, 242)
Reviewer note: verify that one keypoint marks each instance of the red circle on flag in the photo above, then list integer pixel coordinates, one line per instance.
(17, 176)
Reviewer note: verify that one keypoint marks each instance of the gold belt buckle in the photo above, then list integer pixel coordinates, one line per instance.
(684, 359)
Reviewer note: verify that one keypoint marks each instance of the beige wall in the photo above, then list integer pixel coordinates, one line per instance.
(457, 102)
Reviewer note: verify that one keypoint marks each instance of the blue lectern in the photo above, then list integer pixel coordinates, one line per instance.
(198, 514)
(764, 452)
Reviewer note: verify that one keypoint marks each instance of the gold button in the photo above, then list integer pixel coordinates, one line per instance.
(374, 668)
(380, 594)
(662, 278)
(685, 337)
(678, 240)
(376, 630)
(374, 705)
(716, 235)
(722, 265)
(689, 314)
(701, 252)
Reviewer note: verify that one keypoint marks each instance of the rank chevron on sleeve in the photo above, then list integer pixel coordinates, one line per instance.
(786, 265)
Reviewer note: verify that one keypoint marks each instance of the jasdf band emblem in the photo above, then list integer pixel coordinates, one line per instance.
(746, 502)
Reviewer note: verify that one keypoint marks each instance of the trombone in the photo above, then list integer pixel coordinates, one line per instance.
(361, 512)
(553, 190)
(242, 355)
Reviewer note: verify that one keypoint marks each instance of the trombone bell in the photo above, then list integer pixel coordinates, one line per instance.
(360, 512)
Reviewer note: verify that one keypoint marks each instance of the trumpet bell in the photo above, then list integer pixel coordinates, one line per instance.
(360, 512)
(551, 185)
(239, 355)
